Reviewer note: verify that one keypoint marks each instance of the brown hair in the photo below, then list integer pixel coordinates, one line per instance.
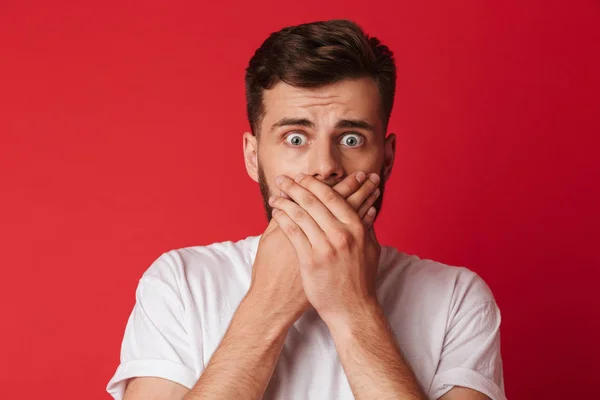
(316, 54)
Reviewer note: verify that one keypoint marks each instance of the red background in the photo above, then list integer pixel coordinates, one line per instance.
(121, 127)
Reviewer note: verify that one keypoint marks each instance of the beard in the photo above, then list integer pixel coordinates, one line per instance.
(266, 192)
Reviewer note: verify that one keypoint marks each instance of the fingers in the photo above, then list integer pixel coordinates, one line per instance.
(350, 184)
(346, 188)
(308, 201)
(293, 232)
(369, 217)
(361, 197)
(355, 188)
(300, 217)
(332, 201)
(366, 205)
(326, 205)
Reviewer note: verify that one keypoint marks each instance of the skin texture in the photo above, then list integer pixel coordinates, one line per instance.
(319, 249)
(323, 151)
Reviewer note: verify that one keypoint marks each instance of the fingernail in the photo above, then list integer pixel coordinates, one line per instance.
(361, 176)
(271, 200)
(299, 178)
(284, 195)
(374, 178)
(279, 180)
(371, 211)
(377, 192)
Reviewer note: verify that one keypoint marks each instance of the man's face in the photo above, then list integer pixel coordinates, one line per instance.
(327, 132)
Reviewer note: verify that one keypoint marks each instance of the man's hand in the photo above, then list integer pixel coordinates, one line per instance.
(338, 258)
(276, 281)
(338, 253)
(243, 364)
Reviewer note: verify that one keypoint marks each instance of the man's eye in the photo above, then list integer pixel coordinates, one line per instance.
(352, 140)
(296, 139)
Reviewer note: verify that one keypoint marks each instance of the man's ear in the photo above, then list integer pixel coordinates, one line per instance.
(389, 146)
(251, 155)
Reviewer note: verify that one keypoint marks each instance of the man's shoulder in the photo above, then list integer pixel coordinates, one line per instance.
(218, 257)
(243, 250)
(431, 279)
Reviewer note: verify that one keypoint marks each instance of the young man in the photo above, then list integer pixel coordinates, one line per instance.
(314, 308)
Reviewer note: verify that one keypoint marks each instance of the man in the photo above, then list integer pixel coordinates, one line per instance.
(314, 308)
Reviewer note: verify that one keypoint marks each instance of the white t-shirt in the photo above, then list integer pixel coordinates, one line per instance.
(445, 320)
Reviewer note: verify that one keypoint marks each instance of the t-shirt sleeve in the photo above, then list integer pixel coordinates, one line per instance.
(156, 342)
(471, 350)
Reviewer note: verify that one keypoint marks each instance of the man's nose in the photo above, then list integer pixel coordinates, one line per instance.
(324, 163)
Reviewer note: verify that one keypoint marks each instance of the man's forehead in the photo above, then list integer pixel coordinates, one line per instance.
(347, 90)
(351, 99)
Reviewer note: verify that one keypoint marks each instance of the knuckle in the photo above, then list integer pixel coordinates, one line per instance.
(286, 184)
(299, 214)
(309, 200)
(330, 196)
(344, 239)
(328, 252)
(292, 229)
(358, 228)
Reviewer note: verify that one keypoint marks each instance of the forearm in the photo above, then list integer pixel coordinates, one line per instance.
(242, 365)
(371, 359)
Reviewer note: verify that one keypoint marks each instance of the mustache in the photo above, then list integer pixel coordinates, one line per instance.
(332, 184)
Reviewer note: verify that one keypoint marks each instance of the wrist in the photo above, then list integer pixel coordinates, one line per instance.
(347, 322)
(259, 313)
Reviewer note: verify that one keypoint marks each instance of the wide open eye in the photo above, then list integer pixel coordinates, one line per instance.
(352, 140)
(296, 139)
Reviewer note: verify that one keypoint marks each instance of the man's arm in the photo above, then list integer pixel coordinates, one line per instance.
(243, 364)
(240, 368)
(367, 350)
(338, 258)
(373, 364)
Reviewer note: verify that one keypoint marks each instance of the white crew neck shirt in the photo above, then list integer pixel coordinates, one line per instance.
(445, 320)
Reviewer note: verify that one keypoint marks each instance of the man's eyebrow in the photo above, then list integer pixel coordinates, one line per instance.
(292, 121)
(342, 123)
(355, 123)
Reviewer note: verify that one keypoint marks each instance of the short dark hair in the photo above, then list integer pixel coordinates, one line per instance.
(316, 54)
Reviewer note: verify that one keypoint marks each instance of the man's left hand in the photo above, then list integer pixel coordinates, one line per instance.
(337, 254)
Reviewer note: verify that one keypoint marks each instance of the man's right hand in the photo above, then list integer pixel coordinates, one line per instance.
(276, 287)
